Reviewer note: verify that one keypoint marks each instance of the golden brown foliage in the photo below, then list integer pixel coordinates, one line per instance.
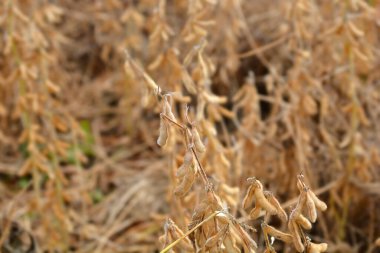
(223, 124)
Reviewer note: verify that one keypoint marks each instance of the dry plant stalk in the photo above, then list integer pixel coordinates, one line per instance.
(297, 221)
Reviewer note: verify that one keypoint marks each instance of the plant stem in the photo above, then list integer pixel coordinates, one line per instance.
(189, 232)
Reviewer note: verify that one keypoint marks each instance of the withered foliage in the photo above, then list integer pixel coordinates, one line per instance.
(190, 126)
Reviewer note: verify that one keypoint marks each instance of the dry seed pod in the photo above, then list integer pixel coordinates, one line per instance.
(199, 146)
(234, 191)
(214, 113)
(230, 194)
(311, 209)
(248, 241)
(213, 240)
(185, 184)
(209, 128)
(260, 198)
(255, 212)
(188, 82)
(279, 235)
(303, 222)
(294, 230)
(185, 243)
(200, 210)
(211, 98)
(184, 169)
(52, 88)
(230, 245)
(226, 113)
(224, 161)
(163, 133)
(309, 105)
(240, 93)
(214, 201)
(175, 232)
(354, 29)
(248, 198)
(187, 163)
(318, 203)
(300, 183)
(205, 69)
(156, 62)
(163, 239)
(198, 239)
(310, 195)
(223, 218)
(168, 109)
(300, 204)
(280, 211)
(316, 248)
(362, 56)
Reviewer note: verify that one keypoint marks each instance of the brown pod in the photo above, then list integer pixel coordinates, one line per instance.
(163, 133)
(248, 241)
(279, 235)
(316, 248)
(280, 211)
(213, 240)
(183, 244)
(188, 158)
(311, 209)
(300, 204)
(223, 218)
(188, 82)
(303, 222)
(186, 165)
(255, 212)
(300, 185)
(318, 203)
(230, 244)
(294, 230)
(177, 233)
(200, 210)
(300, 182)
(168, 109)
(260, 198)
(199, 146)
(248, 198)
(185, 184)
(185, 169)
(163, 239)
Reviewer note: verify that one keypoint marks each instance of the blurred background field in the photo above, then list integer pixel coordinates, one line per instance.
(275, 87)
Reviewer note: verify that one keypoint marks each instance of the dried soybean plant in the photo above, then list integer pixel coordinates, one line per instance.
(33, 119)
(212, 228)
(307, 202)
(272, 88)
(206, 233)
(280, 112)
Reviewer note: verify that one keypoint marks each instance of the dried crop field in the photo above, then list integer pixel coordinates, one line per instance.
(190, 126)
